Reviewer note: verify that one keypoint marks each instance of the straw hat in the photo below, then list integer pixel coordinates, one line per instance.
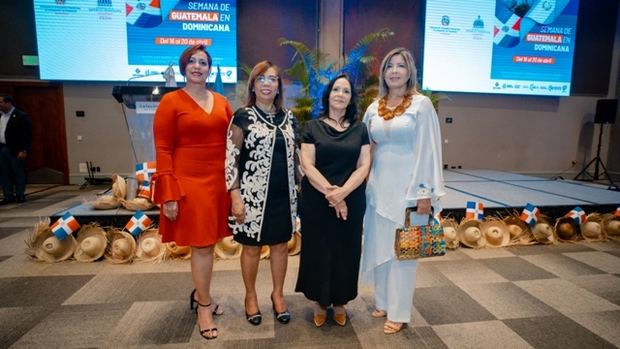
(150, 247)
(138, 203)
(123, 247)
(449, 232)
(520, 233)
(611, 225)
(174, 251)
(543, 231)
(495, 232)
(294, 244)
(227, 248)
(592, 228)
(91, 243)
(264, 252)
(470, 235)
(105, 202)
(566, 229)
(119, 187)
(44, 246)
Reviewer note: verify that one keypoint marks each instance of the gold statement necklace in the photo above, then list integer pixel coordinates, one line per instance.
(387, 113)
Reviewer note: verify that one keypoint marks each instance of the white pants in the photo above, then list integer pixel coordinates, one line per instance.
(394, 286)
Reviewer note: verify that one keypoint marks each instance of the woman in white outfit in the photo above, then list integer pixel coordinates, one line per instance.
(406, 171)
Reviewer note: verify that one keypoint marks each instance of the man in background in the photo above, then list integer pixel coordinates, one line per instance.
(15, 137)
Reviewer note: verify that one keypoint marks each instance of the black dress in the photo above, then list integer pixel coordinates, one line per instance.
(331, 247)
(261, 162)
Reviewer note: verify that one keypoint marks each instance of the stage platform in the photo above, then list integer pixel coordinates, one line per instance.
(500, 192)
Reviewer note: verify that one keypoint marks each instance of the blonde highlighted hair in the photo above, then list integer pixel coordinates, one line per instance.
(409, 62)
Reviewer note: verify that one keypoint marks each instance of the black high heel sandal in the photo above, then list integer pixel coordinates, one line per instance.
(208, 333)
(283, 317)
(192, 305)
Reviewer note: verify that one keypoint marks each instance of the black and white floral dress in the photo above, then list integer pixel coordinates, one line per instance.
(262, 161)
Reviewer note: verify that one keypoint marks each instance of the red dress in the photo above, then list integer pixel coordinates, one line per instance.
(190, 146)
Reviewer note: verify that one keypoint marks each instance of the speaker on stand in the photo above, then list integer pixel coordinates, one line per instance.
(606, 110)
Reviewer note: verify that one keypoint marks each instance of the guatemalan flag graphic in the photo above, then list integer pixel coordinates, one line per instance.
(143, 13)
(507, 26)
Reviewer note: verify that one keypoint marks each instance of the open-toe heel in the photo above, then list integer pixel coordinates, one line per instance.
(217, 311)
(390, 327)
(207, 333)
(192, 300)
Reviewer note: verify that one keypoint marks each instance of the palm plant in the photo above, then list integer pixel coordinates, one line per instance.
(313, 70)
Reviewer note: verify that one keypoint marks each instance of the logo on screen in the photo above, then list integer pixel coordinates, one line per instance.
(478, 23)
(104, 3)
(445, 20)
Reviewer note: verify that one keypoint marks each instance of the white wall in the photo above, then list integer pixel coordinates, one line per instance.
(105, 139)
(539, 135)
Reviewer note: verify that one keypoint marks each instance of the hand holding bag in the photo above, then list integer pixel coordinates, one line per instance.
(419, 241)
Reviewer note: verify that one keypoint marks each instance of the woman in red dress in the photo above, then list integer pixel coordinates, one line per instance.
(190, 129)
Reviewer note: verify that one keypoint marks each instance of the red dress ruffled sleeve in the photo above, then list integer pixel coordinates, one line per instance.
(164, 185)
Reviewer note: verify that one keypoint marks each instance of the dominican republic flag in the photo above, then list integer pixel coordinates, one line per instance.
(138, 223)
(64, 226)
(578, 214)
(144, 189)
(143, 13)
(530, 214)
(507, 27)
(617, 213)
(145, 170)
(474, 210)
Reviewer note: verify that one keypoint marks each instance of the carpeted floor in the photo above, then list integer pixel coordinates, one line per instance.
(559, 296)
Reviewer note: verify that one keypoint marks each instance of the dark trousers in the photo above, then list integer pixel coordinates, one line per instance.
(12, 174)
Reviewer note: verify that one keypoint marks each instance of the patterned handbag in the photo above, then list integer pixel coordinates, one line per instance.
(419, 241)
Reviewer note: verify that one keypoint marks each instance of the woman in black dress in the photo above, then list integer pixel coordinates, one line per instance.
(335, 157)
(261, 169)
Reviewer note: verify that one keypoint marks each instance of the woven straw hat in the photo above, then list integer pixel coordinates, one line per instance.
(91, 243)
(495, 232)
(174, 251)
(450, 228)
(264, 252)
(105, 202)
(566, 229)
(520, 233)
(227, 248)
(294, 244)
(543, 231)
(122, 248)
(611, 225)
(470, 235)
(44, 246)
(150, 247)
(119, 187)
(137, 203)
(592, 228)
